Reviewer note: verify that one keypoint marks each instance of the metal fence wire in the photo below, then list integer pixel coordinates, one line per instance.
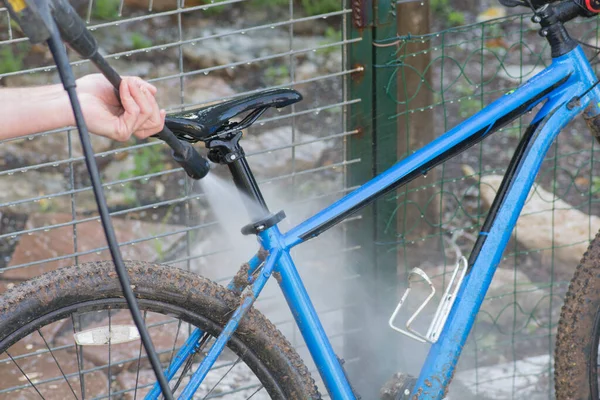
(196, 53)
(372, 94)
(427, 83)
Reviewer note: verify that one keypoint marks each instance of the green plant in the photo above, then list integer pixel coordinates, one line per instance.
(312, 7)
(456, 18)
(269, 3)
(138, 41)
(332, 35)
(106, 9)
(595, 185)
(11, 59)
(468, 107)
(439, 6)
(443, 10)
(214, 9)
(277, 75)
(147, 160)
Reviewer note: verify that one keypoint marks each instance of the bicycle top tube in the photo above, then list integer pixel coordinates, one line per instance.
(571, 70)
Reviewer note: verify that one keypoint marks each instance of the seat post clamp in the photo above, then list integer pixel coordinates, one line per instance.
(254, 228)
(225, 151)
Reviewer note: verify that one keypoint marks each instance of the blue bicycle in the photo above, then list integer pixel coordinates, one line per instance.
(68, 334)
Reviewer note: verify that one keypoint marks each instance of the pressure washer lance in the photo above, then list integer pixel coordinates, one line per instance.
(36, 20)
(76, 35)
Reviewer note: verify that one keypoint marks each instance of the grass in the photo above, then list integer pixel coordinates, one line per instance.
(106, 9)
(138, 41)
(11, 59)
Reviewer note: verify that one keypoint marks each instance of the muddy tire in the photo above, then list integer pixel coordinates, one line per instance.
(576, 353)
(42, 314)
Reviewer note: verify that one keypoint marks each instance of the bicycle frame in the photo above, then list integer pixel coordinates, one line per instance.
(558, 85)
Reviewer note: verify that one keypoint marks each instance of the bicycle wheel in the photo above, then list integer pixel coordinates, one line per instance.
(44, 354)
(577, 340)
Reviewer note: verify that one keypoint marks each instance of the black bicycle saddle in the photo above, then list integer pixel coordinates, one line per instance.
(204, 123)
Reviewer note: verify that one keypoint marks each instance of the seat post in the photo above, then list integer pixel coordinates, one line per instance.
(246, 184)
(228, 151)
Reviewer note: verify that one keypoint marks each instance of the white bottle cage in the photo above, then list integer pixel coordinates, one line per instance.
(443, 309)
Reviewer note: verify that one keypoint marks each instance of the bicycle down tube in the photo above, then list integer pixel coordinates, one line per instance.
(567, 77)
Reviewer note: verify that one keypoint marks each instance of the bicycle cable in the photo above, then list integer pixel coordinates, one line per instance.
(190, 361)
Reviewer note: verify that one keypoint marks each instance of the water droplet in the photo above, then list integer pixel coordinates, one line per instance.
(163, 48)
(243, 32)
(117, 57)
(205, 72)
(11, 173)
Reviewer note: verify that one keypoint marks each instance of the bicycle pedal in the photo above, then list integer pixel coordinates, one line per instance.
(443, 309)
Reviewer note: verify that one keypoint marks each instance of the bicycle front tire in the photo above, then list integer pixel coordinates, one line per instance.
(41, 318)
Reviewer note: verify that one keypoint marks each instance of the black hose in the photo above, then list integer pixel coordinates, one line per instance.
(66, 74)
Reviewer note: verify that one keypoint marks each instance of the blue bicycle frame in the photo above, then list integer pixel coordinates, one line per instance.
(564, 90)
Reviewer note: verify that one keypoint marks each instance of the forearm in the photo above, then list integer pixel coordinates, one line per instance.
(25, 111)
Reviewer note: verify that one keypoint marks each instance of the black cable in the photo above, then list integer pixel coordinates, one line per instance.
(62, 63)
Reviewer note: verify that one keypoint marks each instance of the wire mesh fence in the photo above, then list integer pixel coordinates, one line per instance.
(438, 79)
(196, 53)
(371, 96)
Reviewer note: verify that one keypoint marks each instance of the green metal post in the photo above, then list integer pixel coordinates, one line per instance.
(374, 118)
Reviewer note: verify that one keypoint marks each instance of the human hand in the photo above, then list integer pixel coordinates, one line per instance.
(137, 113)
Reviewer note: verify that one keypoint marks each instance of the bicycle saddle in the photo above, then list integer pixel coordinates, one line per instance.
(203, 123)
